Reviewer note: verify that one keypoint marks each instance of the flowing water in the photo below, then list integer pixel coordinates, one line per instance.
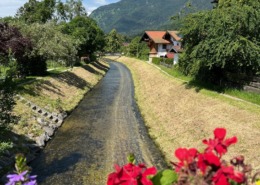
(101, 131)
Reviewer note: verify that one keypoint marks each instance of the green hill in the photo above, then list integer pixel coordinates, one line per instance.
(134, 16)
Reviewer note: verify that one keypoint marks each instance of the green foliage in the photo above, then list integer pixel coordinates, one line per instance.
(5, 146)
(72, 8)
(90, 36)
(132, 17)
(50, 43)
(114, 42)
(137, 49)
(156, 60)
(21, 164)
(165, 177)
(222, 41)
(168, 61)
(36, 11)
(6, 102)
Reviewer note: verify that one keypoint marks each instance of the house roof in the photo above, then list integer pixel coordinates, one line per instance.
(174, 34)
(156, 36)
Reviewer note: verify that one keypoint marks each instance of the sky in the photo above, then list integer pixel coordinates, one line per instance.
(9, 7)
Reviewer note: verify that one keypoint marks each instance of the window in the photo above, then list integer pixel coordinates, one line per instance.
(164, 46)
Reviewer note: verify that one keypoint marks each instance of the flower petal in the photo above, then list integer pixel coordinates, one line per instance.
(220, 133)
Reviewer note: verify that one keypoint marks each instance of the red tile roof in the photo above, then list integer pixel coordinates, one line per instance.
(174, 34)
(157, 36)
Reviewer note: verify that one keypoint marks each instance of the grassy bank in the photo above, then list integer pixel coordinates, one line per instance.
(179, 115)
(59, 91)
(62, 91)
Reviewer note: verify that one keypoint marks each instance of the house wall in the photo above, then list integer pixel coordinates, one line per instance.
(162, 52)
(175, 43)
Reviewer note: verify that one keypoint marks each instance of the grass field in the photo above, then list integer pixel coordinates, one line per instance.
(179, 115)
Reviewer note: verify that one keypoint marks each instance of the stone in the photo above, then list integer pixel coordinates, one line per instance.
(41, 121)
(49, 131)
(40, 141)
(59, 123)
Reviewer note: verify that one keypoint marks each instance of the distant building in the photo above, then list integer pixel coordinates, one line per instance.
(163, 44)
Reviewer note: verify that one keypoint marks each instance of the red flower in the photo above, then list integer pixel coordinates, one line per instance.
(225, 173)
(218, 143)
(186, 157)
(208, 159)
(131, 174)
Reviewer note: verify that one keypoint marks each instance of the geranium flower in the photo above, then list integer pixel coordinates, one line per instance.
(225, 173)
(219, 143)
(208, 159)
(186, 157)
(131, 174)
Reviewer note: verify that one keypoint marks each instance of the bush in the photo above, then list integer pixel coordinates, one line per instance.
(156, 60)
(168, 61)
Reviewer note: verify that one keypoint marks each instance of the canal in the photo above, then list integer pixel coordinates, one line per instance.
(104, 128)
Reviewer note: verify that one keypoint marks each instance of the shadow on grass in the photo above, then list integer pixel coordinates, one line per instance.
(100, 66)
(198, 86)
(47, 85)
(91, 70)
(21, 144)
(72, 80)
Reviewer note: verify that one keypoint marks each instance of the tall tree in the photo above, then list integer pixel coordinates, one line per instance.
(85, 29)
(222, 42)
(114, 41)
(50, 43)
(36, 11)
(66, 11)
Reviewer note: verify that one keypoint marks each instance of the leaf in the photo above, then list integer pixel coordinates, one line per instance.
(131, 158)
(165, 177)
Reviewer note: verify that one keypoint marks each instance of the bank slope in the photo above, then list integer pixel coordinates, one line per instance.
(179, 116)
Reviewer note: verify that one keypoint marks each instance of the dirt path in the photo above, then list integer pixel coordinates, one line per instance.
(103, 130)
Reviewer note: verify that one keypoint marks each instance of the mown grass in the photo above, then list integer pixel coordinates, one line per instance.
(180, 113)
(198, 86)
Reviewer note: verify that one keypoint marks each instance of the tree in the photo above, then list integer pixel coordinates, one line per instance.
(137, 49)
(75, 8)
(36, 11)
(222, 42)
(90, 36)
(13, 43)
(50, 43)
(114, 41)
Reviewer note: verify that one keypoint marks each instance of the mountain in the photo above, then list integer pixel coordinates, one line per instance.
(134, 16)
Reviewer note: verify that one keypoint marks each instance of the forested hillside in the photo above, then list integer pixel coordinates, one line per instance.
(134, 16)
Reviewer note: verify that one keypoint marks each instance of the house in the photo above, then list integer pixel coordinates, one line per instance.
(163, 44)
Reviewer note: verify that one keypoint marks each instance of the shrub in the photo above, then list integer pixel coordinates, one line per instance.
(156, 60)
